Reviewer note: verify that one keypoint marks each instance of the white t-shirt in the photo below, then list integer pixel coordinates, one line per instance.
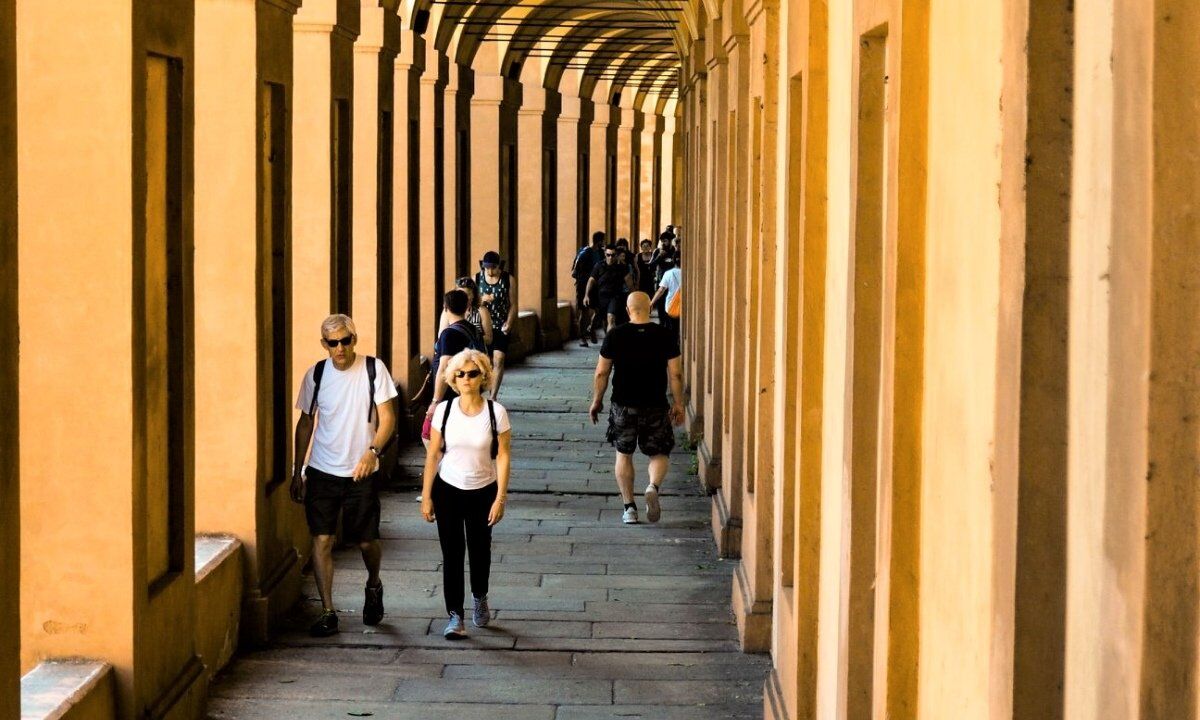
(343, 432)
(671, 280)
(468, 463)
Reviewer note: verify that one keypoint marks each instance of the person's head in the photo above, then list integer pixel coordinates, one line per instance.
(469, 372)
(598, 239)
(610, 254)
(666, 238)
(490, 264)
(623, 243)
(638, 306)
(339, 337)
(646, 245)
(457, 302)
(467, 285)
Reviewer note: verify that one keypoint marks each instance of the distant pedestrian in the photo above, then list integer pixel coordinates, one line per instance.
(668, 288)
(498, 292)
(645, 270)
(610, 280)
(643, 359)
(586, 260)
(465, 485)
(457, 336)
(348, 398)
(478, 315)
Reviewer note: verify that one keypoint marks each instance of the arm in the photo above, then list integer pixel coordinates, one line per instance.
(658, 294)
(599, 387)
(440, 383)
(587, 293)
(443, 322)
(675, 375)
(304, 431)
(485, 318)
(433, 456)
(503, 466)
(511, 321)
(387, 423)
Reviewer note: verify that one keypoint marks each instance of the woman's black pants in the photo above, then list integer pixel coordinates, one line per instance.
(460, 511)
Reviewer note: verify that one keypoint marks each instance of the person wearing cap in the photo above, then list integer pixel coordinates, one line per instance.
(497, 289)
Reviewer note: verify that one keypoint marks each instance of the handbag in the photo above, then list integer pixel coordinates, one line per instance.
(675, 307)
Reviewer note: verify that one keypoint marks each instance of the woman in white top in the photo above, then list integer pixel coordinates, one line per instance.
(466, 483)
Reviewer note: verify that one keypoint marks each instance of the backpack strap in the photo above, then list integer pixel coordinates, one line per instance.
(446, 419)
(495, 435)
(370, 386)
(318, 371)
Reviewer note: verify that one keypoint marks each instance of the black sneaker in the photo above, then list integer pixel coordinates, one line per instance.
(325, 625)
(373, 606)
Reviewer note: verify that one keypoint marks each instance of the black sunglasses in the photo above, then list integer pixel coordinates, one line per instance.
(609, 255)
(468, 373)
(344, 342)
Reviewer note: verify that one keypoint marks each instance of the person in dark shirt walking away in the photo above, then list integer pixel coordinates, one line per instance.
(610, 280)
(643, 358)
(645, 271)
(585, 261)
(458, 335)
(666, 256)
(498, 291)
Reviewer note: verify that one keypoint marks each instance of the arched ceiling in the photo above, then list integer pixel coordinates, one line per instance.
(605, 50)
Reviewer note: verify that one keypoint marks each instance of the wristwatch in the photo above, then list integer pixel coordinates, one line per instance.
(374, 450)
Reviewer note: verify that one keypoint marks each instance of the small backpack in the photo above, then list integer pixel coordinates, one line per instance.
(491, 416)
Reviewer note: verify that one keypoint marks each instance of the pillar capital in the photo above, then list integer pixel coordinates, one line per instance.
(569, 108)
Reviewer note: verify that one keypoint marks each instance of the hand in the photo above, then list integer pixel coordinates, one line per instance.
(366, 465)
(587, 301)
(427, 508)
(597, 406)
(297, 488)
(487, 299)
(504, 328)
(677, 414)
(496, 513)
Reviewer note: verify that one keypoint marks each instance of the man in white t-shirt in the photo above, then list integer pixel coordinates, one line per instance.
(350, 396)
(669, 286)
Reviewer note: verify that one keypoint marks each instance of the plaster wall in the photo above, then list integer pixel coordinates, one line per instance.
(10, 511)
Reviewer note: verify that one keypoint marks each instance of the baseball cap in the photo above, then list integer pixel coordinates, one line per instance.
(491, 257)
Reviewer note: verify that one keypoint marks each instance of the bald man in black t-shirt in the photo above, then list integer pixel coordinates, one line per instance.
(643, 358)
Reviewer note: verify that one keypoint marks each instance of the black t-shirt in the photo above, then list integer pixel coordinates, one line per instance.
(663, 261)
(586, 261)
(640, 353)
(645, 278)
(610, 279)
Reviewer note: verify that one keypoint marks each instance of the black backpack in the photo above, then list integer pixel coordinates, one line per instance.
(491, 416)
(319, 370)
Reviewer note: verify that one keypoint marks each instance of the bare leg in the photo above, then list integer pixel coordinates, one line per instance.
(372, 555)
(322, 562)
(497, 373)
(612, 321)
(625, 473)
(658, 469)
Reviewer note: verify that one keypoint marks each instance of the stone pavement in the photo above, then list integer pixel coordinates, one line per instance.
(594, 619)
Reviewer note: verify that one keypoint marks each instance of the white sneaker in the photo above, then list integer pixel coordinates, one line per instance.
(653, 509)
(630, 516)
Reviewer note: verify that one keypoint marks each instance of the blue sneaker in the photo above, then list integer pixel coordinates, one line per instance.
(455, 630)
(482, 614)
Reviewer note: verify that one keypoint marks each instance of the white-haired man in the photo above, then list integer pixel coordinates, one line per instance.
(349, 397)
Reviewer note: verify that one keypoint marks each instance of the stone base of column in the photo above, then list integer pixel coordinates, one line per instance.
(727, 530)
(277, 596)
(753, 616)
(774, 707)
(551, 334)
(185, 697)
(708, 468)
(694, 423)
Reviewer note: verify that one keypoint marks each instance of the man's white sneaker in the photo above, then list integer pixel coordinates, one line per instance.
(630, 516)
(653, 509)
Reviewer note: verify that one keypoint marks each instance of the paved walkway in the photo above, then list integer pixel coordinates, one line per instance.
(594, 619)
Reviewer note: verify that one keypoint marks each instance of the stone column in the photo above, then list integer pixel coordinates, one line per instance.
(648, 184)
(533, 250)
(10, 511)
(450, 206)
(405, 345)
(485, 164)
(667, 153)
(598, 168)
(243, 400)
(713, 330)
(429, 301)
(569, 241)
(627, 138)
(107, 482)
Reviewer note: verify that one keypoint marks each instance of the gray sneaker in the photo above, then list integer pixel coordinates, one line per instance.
(629, 517)
(482, 614)
(455, 630)
(653, 509)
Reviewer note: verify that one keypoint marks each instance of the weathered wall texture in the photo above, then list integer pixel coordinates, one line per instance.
(939, 326)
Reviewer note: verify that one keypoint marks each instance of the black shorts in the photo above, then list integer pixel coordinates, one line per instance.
(630, 428)
(326, 495)
(580, 291)
(612, 304)
(500, 341)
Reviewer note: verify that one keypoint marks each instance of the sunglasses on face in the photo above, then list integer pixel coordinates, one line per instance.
(609, 255)
(334, 342)
(468, 374)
